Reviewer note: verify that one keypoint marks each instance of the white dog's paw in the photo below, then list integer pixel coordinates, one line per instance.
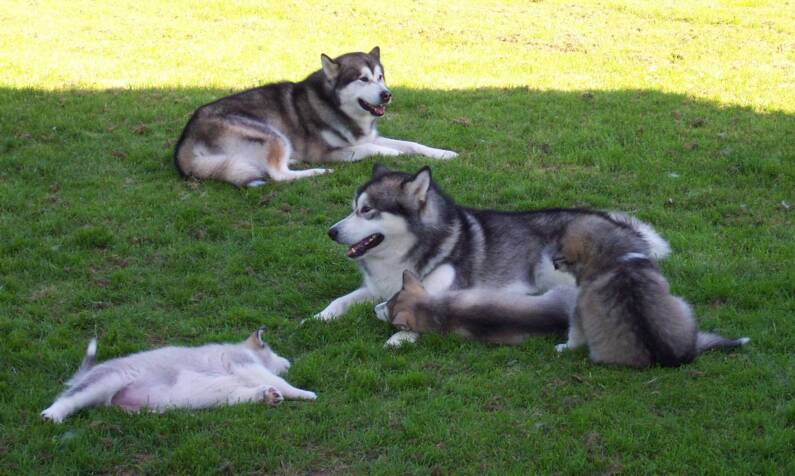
(52, 415)
(256, 183)
(307, 395)
(400, 338)
(272, 396)
(441, 154)
(280, 365)
(561, 347)
(328, 314)
(313, 172)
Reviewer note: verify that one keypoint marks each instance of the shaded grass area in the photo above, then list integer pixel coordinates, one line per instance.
(98, 236)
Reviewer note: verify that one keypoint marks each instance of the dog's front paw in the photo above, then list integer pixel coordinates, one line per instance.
(313, 172)
(280, 365)
(327, 314)
(400, 338)
(561, 347)
(441, 154)
(272, 396)
(307, 395)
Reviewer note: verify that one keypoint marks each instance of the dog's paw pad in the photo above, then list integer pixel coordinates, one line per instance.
(272, 396)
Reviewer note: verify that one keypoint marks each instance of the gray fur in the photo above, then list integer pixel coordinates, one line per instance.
(625, 312)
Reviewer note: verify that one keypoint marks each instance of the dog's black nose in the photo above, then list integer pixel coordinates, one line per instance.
(385, 96)
(332, 233)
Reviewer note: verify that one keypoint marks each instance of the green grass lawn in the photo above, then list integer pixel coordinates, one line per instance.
(682, 113)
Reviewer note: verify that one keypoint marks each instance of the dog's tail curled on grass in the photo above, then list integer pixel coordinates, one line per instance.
(707, 341)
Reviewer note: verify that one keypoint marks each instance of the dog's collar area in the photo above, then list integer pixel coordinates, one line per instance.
(633, 256)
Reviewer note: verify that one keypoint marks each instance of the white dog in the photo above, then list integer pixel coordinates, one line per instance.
(179, 377)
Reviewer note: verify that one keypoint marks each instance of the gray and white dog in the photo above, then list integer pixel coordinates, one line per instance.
(252, 136)
(625, 312)
(179, 377)
(403, 221)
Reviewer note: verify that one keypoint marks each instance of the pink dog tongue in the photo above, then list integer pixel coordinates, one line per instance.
(379, 110)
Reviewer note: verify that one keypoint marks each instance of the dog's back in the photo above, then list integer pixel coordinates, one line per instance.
(629, 318)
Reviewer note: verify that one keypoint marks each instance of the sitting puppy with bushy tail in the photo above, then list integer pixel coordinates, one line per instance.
(625, 312)
(179, 377)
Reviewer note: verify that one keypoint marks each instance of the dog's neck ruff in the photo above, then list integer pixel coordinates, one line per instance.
(632, 256)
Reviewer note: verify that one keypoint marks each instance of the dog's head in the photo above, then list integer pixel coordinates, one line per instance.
(404, 309)
(389, 212)
(358, 81)
(595, 242)
(270, 359)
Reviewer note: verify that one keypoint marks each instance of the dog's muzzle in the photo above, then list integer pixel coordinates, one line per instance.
(382, 312)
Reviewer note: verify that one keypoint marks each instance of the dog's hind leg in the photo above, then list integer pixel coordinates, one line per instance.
(96, 388)
(277, 159)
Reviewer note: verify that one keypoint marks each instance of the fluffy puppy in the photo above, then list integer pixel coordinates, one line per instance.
(179, 377)
(625, 312)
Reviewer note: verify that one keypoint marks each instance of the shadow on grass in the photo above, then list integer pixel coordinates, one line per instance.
(99, 235)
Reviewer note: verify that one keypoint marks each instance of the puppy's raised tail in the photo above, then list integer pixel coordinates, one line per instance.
(657, 244)
(89, 362)
(708, 341)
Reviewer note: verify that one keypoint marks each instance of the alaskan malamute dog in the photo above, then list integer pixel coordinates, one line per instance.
(489, 316)
(625, 312)
(179, 377)
(330, 116)
(404, 221)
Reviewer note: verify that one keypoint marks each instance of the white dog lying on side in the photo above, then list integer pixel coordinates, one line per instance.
(179, 377)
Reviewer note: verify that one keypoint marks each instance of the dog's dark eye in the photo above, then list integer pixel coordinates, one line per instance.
(365, 209)
(364, 79)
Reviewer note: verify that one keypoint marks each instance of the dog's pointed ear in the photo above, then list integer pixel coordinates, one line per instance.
(419, 184)
(259, 336)
(375, 53)
(379, 170)
(411, 282)
(330, 68)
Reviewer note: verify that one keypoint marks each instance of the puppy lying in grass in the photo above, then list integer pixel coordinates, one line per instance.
(625, 312)
(485, 315)
(179, 377)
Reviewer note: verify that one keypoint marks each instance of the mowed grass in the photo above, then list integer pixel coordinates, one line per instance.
(681, 113)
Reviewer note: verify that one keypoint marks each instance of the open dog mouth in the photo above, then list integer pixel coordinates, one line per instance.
(377, 111)
(361, 247)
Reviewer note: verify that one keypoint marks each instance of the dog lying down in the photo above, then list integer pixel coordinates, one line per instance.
(179, 377)
(485, 315)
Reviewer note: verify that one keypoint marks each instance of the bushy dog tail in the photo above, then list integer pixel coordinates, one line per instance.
(659, 247)
(89, 361)
(707, 341)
